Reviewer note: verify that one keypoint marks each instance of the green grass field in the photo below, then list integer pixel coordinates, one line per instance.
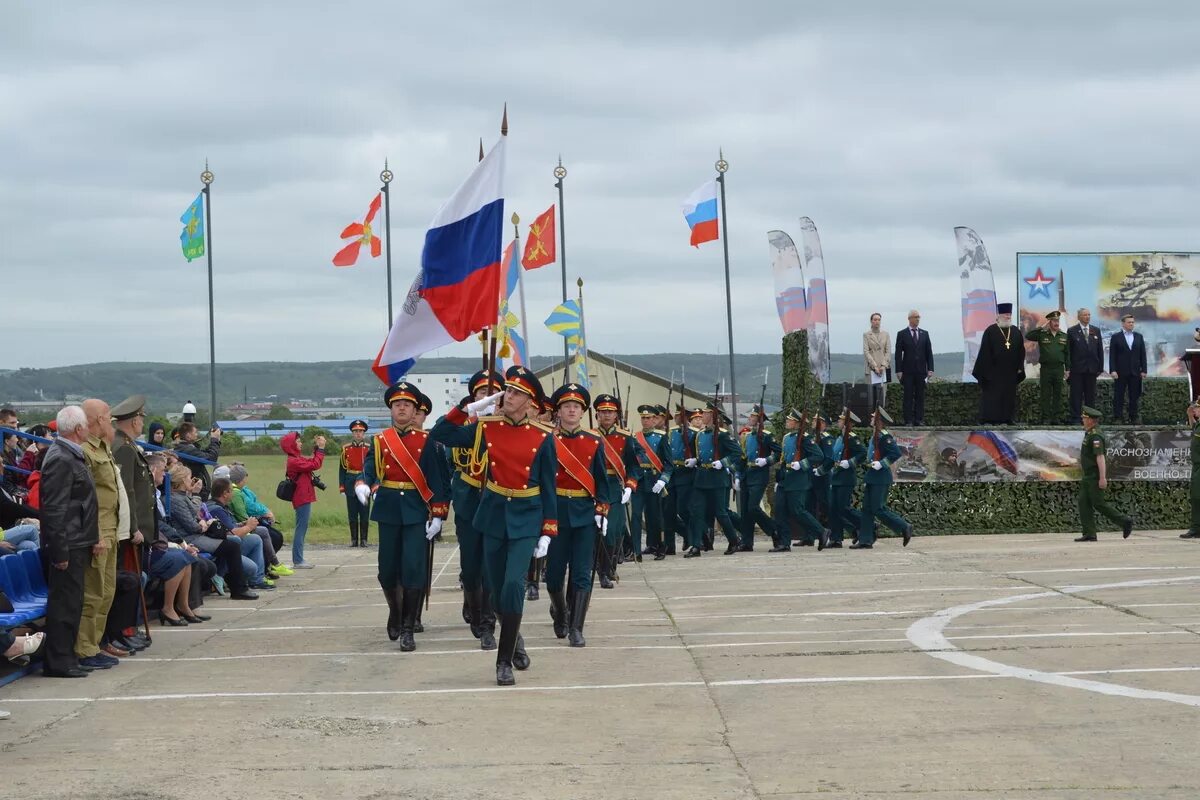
(328, 524)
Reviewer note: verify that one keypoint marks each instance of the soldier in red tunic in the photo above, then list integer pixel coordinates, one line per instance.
(350, 468)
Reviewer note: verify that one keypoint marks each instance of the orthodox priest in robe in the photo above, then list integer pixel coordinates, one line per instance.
(999, 367)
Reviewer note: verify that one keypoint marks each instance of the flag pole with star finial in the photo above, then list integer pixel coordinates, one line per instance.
(386, 176)
(206, 178)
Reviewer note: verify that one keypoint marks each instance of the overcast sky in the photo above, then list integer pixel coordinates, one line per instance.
(1043, 125)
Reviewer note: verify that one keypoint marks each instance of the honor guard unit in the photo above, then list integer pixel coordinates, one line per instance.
(717, 456)
(581, 486)
(802, 458)
(410, 482)
(350, 470)
(470, 466)
(518, 509)
(623, 458)
(761, 454)
(656, 465)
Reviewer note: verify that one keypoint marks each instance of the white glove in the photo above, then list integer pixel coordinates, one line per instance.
(760, 462)
(689, 462)
(844, 464)
(658, 486)
(433, 528)
(479, 406)
(795, 465)
(817, 472)
(737, 485)
(602, 524)
(718, 464)
(543, 547)
(362, 492)
(625, 495)
(876, 465)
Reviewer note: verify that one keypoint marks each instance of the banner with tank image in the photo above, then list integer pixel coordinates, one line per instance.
(967, 456)
(1160, 290)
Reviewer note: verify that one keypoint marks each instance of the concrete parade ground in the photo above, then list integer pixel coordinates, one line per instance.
(966, 666)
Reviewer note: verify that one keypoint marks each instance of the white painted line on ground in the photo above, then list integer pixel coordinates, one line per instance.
(803, 576)
(676, 646)
(449, 558)
(928, 635)
(906, 590)
(1086, 569)
(838, 679)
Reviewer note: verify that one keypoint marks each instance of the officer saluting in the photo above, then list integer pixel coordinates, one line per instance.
(882, 452)
(469, 468)
(411, 484)
(655, 462)
(762, 452)
(581, 486)
(518, 511)
(621, 453)
(1052, 358)
(350, 470)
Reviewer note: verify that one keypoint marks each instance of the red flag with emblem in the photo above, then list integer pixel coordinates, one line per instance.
(539, 244)
(362, 234)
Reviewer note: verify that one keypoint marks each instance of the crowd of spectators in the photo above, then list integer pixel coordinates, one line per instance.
(127, 530)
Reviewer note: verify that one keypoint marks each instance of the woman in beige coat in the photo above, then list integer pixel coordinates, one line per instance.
(877, 355)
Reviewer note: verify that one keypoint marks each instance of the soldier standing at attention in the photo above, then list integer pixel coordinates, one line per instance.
(623, 456)
(518, 509)
(1095, 480)
(469, 468)
(411, 484)
(717, 457)
(350, 469)
(762, 452)
(581, 486)
(793, 482)
(848, 452)
(1193, 415)
(1052, 357)
(882, 452)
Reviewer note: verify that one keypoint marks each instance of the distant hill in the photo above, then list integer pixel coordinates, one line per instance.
(169, 386)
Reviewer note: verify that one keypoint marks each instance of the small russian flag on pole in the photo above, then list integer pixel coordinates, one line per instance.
(700, 211)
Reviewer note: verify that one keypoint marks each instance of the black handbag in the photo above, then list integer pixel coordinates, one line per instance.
(286, 489)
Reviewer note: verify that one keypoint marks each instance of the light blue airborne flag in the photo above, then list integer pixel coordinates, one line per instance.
(566, 321)
(192, 236)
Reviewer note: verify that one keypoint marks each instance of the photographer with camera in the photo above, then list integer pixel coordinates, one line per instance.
(300, 470)
(187, 446)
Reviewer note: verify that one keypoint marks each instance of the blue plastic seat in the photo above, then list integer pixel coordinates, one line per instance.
(18, 580)
(23, 604)
(33, 571)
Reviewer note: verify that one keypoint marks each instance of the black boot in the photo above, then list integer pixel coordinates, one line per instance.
(520, 658)
(487, 621)
(558, 612)
(509, 627)
(362, 536)
(467, 614)
(531, 590)
(417, 626)
(578, 615)
(408, 620)
(353, 533)
(393, 595)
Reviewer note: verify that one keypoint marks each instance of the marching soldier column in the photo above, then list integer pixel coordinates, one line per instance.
(761, 452)
(717, 456)
(623, 457)
(802, 456)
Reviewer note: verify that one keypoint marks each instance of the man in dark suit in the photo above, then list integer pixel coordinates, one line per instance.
(1127, 363)
(1085, 360)
(914, 366)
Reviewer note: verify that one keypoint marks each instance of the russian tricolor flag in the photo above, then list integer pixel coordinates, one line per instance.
(700, 211)
(458, 289)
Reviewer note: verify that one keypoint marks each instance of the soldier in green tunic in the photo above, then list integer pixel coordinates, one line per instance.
(717, 454)
(1193, 415)
(1052, 358)
(882, 452)
(761, 453)
(801, 454)
(1095, 480)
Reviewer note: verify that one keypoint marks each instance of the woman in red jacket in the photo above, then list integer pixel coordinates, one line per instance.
(300, 469)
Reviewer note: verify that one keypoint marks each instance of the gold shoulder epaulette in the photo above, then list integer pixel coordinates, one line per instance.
(491, 418)
(541, 426)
